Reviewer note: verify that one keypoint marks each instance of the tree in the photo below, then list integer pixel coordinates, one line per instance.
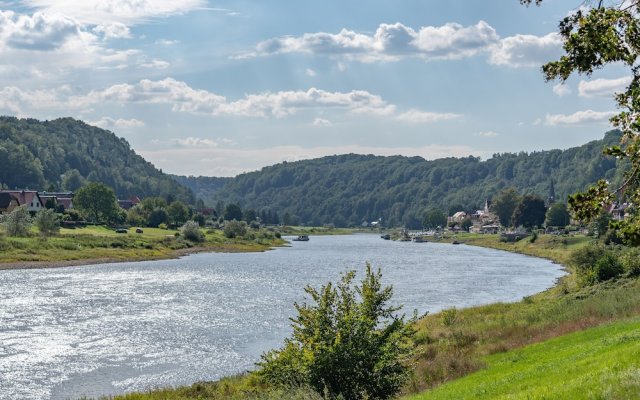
(72, 180)
(178, 213)
(347, 343)
(250, 215)
(466, 224)
(557, 216)
(530, 212)
(17, 222)
(232, 211)
(234, 228)
(434, 218)
(97, 201)
(504, 204)
(46, 220)
(191, 231)
(158, 216)
(594, 37)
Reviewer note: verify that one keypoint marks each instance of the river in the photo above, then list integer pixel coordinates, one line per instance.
(113, 328)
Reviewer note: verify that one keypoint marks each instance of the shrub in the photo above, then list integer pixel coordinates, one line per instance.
(449, 316)
(347, 344)
(608, 267)
(278, 235)
(163, 226)
(47, 222)
(631, 262)
(191, 231)
(234, 228)
(17, 222)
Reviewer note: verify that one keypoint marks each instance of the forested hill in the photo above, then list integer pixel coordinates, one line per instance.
(65, 153)
(349, 189)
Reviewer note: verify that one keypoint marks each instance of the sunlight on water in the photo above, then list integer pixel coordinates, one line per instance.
(115, 328)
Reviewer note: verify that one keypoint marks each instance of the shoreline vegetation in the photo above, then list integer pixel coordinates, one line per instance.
(471, 344)
(454, 345)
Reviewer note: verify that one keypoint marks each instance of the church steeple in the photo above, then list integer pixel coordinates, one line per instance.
(552, 193)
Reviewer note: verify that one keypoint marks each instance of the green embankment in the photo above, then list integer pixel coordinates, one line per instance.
(97, 243)
(597, 363)
(517, 347)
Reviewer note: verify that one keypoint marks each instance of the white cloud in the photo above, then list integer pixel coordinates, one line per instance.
(155, 64)
(394, 42)
(421, 117)
(579, 118)
(311, 72)
(48, 45)
(219, 161)
(527, 50)
(194, 142)
(561, 89)
(390, 42)
(322, 122)
(166, 42)
(114, 30)
(486, 134)
(185, 99)
(603, 87)
(128, 12)
(110, 123)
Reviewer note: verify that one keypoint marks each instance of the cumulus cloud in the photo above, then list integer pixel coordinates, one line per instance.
(421, 117)
(36, 32)
(486, 134)
(233, 161)
(603, 87)
(111, 123)
(393, 42)
(579, 118)
(155, 64)
(183, 98)
(194, 142)
(311, 72)
(561, 89)
(322, 122)
(128, 12)
(51, 44)
(526, 50)
(389, 42)
(114, 30)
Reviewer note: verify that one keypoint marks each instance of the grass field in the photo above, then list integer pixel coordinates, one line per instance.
(597, 363)
(99, 243)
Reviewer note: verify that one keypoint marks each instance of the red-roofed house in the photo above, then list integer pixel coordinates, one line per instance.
(28, 197)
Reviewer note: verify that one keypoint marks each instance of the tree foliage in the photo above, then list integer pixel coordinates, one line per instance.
(557, 216)
(47, 222)
(348, 342)
(191, 231)
(434, 218)
(346, 190)
(504, 204)
(17, 222)
(66, 153)
(530, 212)
(594, 37)
(97, 202)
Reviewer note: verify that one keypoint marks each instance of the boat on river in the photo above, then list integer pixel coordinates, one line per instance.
(386, 236)
(301, 238)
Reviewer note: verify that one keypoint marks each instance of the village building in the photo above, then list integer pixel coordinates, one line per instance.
(8, 202)
(31, 198)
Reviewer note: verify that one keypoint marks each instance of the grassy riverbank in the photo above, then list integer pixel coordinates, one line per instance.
(95, 244)
(475, 345)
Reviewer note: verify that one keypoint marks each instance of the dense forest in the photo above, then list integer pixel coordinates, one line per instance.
(65, 153)
(348, 189)
(206, 187)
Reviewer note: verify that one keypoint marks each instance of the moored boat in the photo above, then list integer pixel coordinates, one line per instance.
(301, 238)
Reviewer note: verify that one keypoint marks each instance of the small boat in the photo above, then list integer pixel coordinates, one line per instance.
(419, 239)
(386, 236)
(301, 238)
(456, 242)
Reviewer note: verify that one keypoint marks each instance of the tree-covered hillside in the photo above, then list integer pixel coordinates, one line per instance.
(65, 153)
(349, 189)
(206, 187)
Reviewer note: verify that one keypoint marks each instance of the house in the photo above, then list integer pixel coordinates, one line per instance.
(618, 211)
(29, 197)
(458, 217)
(8, 202)
(129, 203)
(64, 199)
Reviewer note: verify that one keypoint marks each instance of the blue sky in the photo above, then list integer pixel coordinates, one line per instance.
(202, 87)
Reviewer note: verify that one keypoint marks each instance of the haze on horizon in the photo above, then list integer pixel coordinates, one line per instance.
(202, 87)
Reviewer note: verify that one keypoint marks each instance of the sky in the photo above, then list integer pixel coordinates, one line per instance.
(218, 88)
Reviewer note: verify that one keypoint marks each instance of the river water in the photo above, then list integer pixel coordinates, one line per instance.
(114, 328)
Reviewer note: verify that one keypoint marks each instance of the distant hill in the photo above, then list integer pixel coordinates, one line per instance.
(206, 187)
(348, 189)
(67, 152)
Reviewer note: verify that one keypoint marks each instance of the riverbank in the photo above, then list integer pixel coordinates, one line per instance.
(455, 343)
(100, 245)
